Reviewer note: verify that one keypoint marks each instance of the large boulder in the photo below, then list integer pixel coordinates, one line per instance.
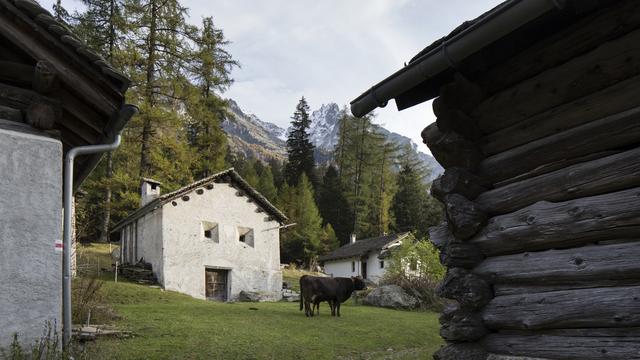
(391, 296)
(255, 296)
(290, 295)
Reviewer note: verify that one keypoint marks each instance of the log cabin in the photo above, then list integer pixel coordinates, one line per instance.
(538, 129)
(55, 94)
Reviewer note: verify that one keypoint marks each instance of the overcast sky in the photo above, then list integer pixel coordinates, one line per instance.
(326, 50)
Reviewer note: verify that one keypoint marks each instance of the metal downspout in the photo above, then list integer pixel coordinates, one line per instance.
(125, 114)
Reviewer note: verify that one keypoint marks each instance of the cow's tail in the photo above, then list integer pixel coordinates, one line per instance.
(301, 297)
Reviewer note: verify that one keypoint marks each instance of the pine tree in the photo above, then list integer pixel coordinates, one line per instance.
(328, 240)
(309, 222)
(299, 147)
(334, 207)
(266, 186)
(210, 67)
(90, 26)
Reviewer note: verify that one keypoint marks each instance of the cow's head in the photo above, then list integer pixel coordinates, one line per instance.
(358, 283)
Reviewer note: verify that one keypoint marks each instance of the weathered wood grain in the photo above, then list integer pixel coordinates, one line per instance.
(612, 132)
(469, 290)
(582, 308)
(9, 113)
(568, 266)
(619, 347)
(458, 181)
(461, 351)
(461, 325)
(451, 149)
(555, 165)
(578, 38)
(502, 289)
(545, 225)
(41, 115)
(608, 174)
(606, 65)
(464, 217)
(440, 235)
(459, 94)
(611, 100)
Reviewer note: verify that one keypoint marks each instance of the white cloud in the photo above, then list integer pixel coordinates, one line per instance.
(327, 50)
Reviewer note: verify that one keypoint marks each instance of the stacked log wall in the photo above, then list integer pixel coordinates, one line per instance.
(542, 198)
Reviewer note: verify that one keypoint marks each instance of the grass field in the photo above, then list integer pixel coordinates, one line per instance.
(168, 325)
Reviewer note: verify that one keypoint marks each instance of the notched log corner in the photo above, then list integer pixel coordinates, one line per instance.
(457, 180)
(453, 252)
(462, 351)
(451, 149)
(465, 218)
(469, 290)
(459, 325)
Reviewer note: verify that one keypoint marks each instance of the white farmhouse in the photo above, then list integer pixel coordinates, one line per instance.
(211, 239)
(367, 258)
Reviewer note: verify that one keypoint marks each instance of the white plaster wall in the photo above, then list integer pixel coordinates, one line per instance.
(374, 272)
(341, 268)
(149, 238)
(30, 224)
(187, 252)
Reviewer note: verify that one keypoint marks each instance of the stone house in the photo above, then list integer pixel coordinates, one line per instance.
(55, 95)
(368, 258)
(211, 239)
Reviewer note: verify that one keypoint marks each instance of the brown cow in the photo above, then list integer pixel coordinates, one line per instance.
(315, 289)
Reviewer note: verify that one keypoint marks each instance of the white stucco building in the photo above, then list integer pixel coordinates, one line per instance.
(211, 239)
(367, 258)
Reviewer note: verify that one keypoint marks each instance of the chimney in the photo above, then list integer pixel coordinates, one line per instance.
(149, 191)
(353, 238)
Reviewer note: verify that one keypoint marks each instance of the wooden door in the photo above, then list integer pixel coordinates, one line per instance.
(216, 284)
(364, 270)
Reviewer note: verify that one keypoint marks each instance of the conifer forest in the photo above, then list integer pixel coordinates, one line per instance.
(370, 186)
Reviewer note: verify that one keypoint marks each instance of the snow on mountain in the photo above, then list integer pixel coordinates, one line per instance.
(253, 137)
(325, 124)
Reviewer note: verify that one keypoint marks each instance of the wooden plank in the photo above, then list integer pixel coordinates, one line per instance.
(612, 100)
(16, 72)
(514, 289)
(618, 19)
(603, 175)
(546, 225)
(612, 132)
(583, 308)
(555, 165)
(620, 347)
(469, 290)
(606, 65)
(460, 324)
(9, 113)
(568, 266)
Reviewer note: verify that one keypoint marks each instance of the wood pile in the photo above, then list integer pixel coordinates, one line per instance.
(141, 273)
(542, 198)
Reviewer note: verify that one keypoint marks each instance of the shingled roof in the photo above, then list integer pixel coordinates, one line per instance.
(227, 176)
(364, 246)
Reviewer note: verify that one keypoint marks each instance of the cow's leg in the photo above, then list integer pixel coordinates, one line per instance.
(338, 306)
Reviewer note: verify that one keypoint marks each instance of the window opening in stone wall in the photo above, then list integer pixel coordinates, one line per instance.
(245, 235)
(382, 264)
(210, 231)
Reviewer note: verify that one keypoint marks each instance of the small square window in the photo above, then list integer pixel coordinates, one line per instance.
(210, 231)
(382, 264)
(245, 236)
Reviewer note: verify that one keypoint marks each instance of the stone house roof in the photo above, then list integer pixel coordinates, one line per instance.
(364, 247)
(226, 176)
